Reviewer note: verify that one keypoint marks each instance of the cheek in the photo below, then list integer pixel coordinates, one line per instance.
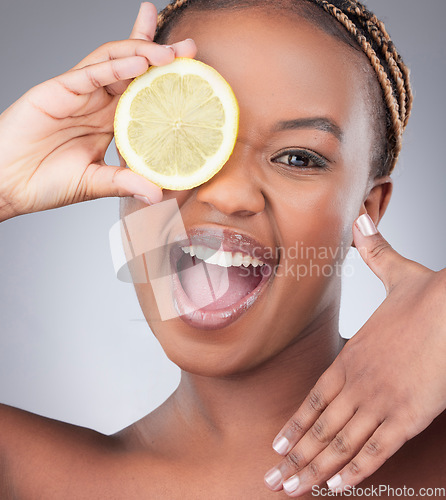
(315, 211)
(180, 196)
(147, 302)
(313, 222)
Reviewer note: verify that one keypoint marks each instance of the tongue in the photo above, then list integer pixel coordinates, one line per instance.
(213, 287)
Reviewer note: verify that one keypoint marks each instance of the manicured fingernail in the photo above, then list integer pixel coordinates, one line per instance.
(281, 445)
(144, 199)
(334, 482)
(291, 484)
(365, 224)
(273, 478)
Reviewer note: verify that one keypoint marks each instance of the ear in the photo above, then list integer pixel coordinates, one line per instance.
(377, 200)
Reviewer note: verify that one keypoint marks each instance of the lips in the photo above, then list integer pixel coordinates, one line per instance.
(213, 291)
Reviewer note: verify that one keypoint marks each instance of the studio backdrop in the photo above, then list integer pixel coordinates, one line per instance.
(73, 342)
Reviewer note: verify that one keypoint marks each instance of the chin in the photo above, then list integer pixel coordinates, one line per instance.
(256, 337)
(215, 352)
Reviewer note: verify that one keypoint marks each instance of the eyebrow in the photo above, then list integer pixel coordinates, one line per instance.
(324, 124)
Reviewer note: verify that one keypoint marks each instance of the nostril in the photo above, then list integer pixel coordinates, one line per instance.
(231, 201)
(245, 213)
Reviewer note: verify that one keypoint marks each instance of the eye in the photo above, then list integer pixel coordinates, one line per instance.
(301, 159)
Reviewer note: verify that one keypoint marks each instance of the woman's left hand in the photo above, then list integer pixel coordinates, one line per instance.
(386, 385)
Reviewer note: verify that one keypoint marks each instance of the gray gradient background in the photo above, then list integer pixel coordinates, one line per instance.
(73, 344)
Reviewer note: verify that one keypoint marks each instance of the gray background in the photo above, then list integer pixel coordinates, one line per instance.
(73, 344)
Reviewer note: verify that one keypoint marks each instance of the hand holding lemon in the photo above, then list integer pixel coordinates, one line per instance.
(54, 138)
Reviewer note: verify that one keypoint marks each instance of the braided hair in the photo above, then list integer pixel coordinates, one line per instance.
(363, 30)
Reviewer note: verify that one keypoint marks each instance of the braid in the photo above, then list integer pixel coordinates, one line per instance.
(399, 70)
(371, 36)
(393, 59)
(165, 14)
(394, 79)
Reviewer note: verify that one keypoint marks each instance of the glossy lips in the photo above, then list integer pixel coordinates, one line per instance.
(218, 274)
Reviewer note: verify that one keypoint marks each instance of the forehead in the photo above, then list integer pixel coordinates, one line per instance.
(279, 65)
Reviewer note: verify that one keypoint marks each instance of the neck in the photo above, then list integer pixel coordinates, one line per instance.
(260, 401)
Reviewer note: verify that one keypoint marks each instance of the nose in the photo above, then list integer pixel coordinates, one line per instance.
(237, 188)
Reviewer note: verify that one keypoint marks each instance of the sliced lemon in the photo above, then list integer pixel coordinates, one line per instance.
(177, 124)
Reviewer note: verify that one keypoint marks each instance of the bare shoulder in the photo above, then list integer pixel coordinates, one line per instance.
(44, 458)
(37, 451)
(429, 448)
(420, 463)
(18, 424)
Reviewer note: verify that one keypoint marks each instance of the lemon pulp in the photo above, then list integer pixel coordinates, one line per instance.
(177, 124)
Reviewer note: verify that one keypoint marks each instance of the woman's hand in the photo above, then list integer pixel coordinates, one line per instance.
(53, 140)
(386, 386)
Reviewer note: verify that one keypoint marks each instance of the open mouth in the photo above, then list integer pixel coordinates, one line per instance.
(217, 276)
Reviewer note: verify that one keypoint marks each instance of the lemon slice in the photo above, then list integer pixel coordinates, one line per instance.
(177, 124)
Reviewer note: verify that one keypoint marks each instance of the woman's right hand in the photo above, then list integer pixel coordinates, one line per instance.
(53, 140)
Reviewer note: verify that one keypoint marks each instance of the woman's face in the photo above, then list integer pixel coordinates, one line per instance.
(297, 179)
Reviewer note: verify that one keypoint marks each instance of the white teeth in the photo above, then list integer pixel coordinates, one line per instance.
(246, 260)
(206, 254)
(237, 259)
(221, 258)
(225, 259)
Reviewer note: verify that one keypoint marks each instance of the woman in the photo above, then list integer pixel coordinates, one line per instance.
(241, 382)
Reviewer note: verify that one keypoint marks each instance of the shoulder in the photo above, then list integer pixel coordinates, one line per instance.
(22, 431)
(44, 458)
(36, 450)
(420, 462)
(428, 450)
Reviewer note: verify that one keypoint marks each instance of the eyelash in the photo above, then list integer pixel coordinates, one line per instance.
(320, 162)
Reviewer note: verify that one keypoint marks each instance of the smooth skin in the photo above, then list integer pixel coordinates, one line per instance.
(375, 370)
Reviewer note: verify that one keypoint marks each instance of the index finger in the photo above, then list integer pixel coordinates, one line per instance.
(146, 21)
(321, 395)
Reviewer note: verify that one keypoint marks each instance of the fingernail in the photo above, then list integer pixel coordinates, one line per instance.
(334, 482)
(144, 199)
(273, 478)
(170, 47)
(281, 445)
(365, 224)
(291, 484)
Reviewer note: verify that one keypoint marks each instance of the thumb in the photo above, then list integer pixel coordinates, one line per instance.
(376, 252)
(107, 180)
